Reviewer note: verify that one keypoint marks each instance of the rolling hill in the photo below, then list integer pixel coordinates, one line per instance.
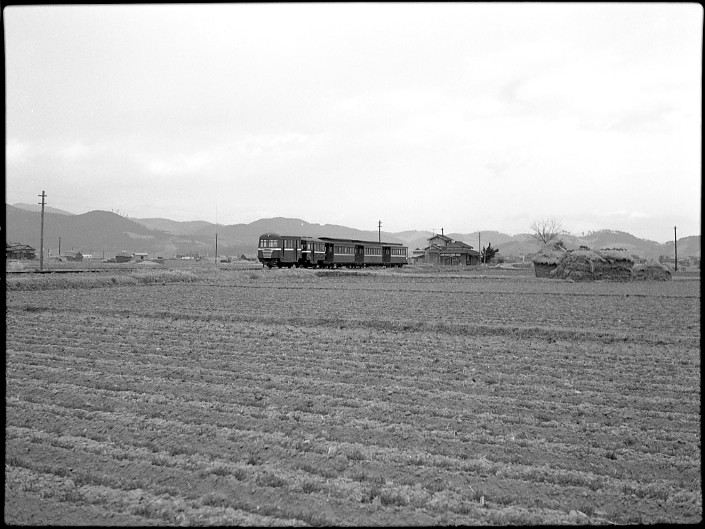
(38, 208)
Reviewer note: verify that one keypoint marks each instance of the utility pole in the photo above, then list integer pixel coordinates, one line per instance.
(379, 227)
(216, 248)
(675, 243)
(41, 235)
(59, 246)
(479, 247)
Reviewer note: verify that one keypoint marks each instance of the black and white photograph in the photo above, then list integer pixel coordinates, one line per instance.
(353, 264)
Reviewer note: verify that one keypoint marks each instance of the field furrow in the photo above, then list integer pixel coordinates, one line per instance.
(309, 398)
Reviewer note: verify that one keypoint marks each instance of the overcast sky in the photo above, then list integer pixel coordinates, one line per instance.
(424, 116)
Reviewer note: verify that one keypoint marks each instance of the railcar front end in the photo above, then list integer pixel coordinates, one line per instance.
(269, 250)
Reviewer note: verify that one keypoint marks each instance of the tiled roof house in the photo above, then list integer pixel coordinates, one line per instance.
(445, 251)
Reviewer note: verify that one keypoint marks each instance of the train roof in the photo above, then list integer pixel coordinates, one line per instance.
(358, 241)
(329, 239)
(277, 236)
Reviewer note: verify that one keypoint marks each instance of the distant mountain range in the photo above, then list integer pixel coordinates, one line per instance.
(105, 234)
(38, 209)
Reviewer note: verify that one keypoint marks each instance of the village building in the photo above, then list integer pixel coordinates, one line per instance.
(192, 255)
(457, 253)
(123, 257)
(14, 250)
(443, 250)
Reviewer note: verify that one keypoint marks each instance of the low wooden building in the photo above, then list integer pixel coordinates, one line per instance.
(14, 250)
(123, 257)
(457, 253)
(417, 256)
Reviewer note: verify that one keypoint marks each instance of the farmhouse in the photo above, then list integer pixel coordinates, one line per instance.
(14, 250)
(459, 253)
(445, 251)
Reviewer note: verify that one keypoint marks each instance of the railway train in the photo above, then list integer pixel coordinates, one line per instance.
(327, 252)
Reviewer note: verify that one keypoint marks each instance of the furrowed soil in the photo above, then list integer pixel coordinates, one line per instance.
(301, 397)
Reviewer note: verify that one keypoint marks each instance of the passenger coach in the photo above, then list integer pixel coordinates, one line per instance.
(289, 250)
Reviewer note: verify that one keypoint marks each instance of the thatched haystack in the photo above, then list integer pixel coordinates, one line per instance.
(589, 265)
(619, 264)
(650, 271)
(546, 260)
(578, 265)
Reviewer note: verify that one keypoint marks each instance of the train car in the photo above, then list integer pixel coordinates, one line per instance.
(290, 250)
(339, 252)
(372, 254)
(358, 254)
(394, 255)
(279, 250)
(313, 252)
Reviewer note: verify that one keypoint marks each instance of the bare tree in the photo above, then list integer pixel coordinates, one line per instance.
(547, 230)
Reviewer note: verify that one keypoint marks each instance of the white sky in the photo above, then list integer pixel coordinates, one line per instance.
(459, 116)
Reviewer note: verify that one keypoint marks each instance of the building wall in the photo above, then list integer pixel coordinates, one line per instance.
(460, 260)
(432, 257)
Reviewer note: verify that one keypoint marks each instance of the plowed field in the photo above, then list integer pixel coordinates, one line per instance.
(296, 397)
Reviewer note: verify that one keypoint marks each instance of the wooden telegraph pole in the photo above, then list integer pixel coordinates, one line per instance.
(41, 234)
(675, 245)
(379, 228)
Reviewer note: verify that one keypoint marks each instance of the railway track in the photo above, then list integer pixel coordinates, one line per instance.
(74, 271)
